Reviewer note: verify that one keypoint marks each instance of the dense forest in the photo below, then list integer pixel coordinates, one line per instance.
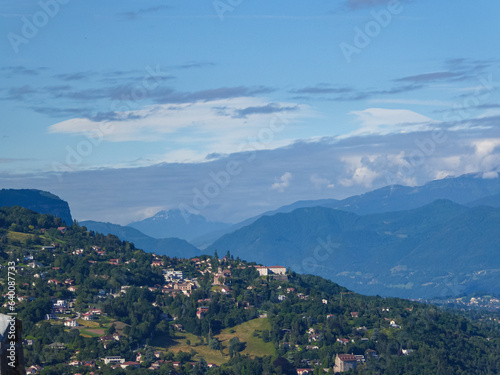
(140, 306)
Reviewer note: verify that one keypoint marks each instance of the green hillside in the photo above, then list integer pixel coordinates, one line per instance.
(166, 314)
(441, 249)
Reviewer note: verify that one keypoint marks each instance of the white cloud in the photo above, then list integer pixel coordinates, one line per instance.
(282, 183)
(431, 103)
(193, 130)
(320, 182)
(491, 174)
(386, 121)
(485, 147)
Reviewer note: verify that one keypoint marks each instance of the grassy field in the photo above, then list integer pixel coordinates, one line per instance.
(17, 236)
(92, 328)
(91, 332)
(254, 345)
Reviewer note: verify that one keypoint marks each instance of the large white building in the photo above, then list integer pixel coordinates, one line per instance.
(272, 270)
(113, 359)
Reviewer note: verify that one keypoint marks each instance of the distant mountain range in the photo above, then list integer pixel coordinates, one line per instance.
(175, 223)
(39, 201)
(463, 190)
(436, 250)
(435, 240)
(173, 247)
(471, 190)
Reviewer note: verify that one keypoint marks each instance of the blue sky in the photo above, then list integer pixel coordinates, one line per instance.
(302, 100)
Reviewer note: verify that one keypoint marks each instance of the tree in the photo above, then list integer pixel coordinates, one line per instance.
(282, 366)
(235, 346)
(200, 368)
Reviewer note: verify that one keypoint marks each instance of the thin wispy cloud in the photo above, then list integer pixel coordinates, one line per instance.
(433, 77)
(362, 4)
(77, 76)
(132, 15)
(266, 109)
(195, 65)
(385, 121)
(321, 89)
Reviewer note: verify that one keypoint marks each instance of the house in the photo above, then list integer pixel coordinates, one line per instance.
(314, 337)
(345, 362)
(304, 371)
(51, 317)
(354, 314)
(371, 353)
(200, 313)
(71, 323)
(130, 364)
(53, 282)
(88, 316)
(325, 301)
(35, 369)
(290, 290)
(72, 288)
(360, 358)
(62, 229)
(57, 345)
(184, 287)
(75, 363)
(60, 303)
(35, 264)
(218, 279)
(343, 341)
(171, 274)
(113, 359)
(281, 297)
(312, 347)
(157, 263)
(114, 261)
(393, 324)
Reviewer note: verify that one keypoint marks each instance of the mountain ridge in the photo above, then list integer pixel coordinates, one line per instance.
(39, 201)
(173, 247)
(442, 244)
(176, 223)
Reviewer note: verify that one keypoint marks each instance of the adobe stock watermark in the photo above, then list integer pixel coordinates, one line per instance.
(223, 6)
(31, 25)
(220, 180)
(363, 36)
(426, 147)
(320, 254)
(75, 155)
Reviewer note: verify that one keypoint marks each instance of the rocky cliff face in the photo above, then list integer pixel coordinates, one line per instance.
(37, 200)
